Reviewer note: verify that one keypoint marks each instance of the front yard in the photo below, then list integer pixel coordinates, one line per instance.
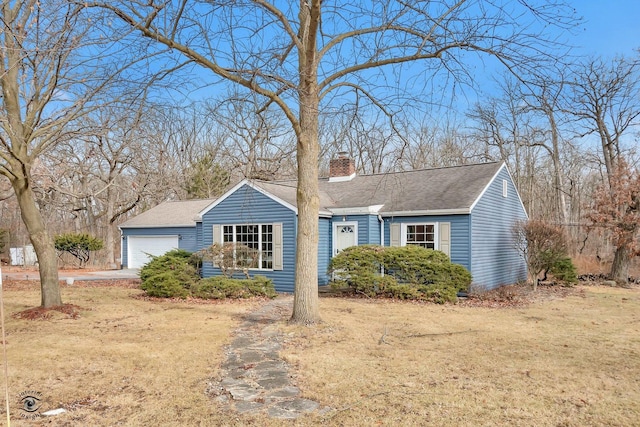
(128, 360)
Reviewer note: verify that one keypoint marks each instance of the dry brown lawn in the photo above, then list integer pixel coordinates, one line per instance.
(566, 361)
(572, 361)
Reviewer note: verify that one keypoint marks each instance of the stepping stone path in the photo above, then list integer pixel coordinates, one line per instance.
(254, 380)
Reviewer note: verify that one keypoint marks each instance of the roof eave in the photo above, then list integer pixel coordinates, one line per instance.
(156, 226)
(357, 210)
(430, 212)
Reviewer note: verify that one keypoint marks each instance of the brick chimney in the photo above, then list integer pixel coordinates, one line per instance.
(342, 168)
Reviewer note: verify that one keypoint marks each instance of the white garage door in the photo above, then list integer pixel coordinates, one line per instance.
(140, 247)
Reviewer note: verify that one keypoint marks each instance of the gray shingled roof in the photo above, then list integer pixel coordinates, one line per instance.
(450, 188)
(169, 214)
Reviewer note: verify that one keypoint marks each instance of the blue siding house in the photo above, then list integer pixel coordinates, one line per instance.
(464, 211)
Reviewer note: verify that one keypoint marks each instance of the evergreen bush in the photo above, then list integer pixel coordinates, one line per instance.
(175, 275)
(80, 245)
(221, 287)
(165, 285)
(410, 272)
(564, 270)
(170, 275)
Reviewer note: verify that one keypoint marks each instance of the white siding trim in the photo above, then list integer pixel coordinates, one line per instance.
(253, 186)
(486, 188)
(222, 198)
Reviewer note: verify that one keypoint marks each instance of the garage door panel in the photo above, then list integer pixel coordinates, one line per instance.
(141, 247)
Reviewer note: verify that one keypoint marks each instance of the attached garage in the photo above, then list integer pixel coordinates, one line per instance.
(168, 226)
(140, 248)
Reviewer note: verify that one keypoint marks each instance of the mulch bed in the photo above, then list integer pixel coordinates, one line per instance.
(70, 311)
(514, 296)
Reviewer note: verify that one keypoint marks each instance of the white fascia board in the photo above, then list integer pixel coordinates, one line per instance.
(362, 210)
(221, 198)
(156, 226)
(461, 211)
(272, 197)
(238, 186)
(486, 188)
(342, 178)
(517, 193)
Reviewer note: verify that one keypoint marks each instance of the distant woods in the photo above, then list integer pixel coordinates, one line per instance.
(565, 135)
(561, 139)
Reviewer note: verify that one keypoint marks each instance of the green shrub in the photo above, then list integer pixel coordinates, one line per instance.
(364, 259)
(79, 245)
(165, 285)
(457, 276)
(564, 270)
(415, 264)
(175, 275)
(221, 287)
(411, 272)
(171, 261)
(402, 291)
(359, 268)
(440, 294)
(262, 286)
(170, 275)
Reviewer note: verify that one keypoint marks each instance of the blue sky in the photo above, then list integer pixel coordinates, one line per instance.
(610, 27)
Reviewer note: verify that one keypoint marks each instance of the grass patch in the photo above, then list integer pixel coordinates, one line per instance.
(123, 360)
(565, 360)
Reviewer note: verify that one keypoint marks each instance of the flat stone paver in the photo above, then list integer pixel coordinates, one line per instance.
(254, 379)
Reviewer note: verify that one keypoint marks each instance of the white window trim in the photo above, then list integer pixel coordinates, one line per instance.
(335, 225)
(436, 233)
(259, 242)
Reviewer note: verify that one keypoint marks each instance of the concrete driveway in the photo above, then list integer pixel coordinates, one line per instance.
(74, 274)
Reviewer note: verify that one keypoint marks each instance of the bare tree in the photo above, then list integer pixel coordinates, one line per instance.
(606, 99)
(545, 96)
(540, 244)
(303, 57)
(46, 85)
(254, 138)
(92, 175)
(616, 208)
(504, 125)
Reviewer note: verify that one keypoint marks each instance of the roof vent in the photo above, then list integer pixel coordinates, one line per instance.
(342, 168)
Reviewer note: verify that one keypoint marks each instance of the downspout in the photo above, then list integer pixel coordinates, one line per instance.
(381, 240)
(122, 248)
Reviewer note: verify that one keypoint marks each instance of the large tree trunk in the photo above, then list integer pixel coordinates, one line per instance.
(305, 298)
(109, 241)
(620, 266)
(42, 243)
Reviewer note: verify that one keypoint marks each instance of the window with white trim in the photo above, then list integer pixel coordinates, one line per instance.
(421, 235)
(255, 236)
